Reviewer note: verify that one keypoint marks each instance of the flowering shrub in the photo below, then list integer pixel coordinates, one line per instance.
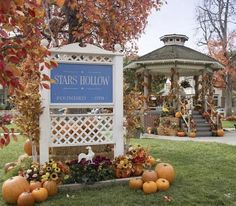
(89, 172)
(51, 170)
(5, 119)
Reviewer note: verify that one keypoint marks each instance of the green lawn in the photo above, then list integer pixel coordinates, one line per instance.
(228, 124)
(206, 175)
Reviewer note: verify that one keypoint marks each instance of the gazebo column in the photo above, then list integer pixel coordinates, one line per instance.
(196, 88)
(204, 86)
(145, 88)
(175, 88)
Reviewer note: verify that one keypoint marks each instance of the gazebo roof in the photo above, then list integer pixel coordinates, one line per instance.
(176, 52)
(175, 55)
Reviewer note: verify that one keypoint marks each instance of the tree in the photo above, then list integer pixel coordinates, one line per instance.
(21, 52)
(217, 19)
(101, 22)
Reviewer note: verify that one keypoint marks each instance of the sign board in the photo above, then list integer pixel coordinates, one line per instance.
(82, 83)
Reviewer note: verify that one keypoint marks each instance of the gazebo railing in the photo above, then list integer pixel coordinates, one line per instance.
(214, 115)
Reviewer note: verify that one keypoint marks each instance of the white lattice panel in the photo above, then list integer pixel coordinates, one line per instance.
(81, 58)
(81, 129)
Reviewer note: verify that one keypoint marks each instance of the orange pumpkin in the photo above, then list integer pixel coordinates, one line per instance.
(28, 147)
(166, 171)
(220, 132)
(181, 134)
(51, 187)
(178, 114)
(35, 185)
(192, 134)
(149, 187)
(13, 187)
(162, 184)
(149, 175)
(25, 199)
(136, 183)
(40, 194)
(151, 160)
(60, 3)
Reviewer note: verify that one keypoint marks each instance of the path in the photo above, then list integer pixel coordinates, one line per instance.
(229, 138)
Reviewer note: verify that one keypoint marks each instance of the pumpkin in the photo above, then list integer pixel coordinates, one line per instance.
(13, 187)
(181, 134)
(136, 183)
(220, 132)
(149, 187)
(35, 185)
(178, 114)
(192, 134)
(162, 184)
(28, 147)
(149, 175)
(51, 187)
(25, 199)
(40, 194)
(166, 171)
(151, 160)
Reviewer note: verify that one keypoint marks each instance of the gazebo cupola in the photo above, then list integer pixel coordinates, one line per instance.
(174, 39)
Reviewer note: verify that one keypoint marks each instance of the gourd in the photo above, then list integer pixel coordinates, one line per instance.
(25, 199)
(40, 194)
(136, 183)
(149, 175)
(149, 187)
(166, 171)
(13, 187)
(51, 187)
(162, 184)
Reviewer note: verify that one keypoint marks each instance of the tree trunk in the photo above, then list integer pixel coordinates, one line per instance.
(228, 94)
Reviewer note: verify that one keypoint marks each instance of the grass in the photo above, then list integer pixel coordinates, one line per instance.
(228, 124)
(206, 175)
(9, 126)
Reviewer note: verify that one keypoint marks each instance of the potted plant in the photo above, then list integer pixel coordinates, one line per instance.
(180, 132)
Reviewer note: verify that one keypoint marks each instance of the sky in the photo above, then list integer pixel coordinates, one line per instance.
(176, 17)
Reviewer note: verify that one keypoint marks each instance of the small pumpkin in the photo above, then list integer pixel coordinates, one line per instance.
(40, 194)
(25, 199)
(180, 134)
(51, 187)
(149, 175)
(35, 185)
(162, 184)
(28, 147)
(136, 183)
(149, 187)
(220, 132)
(166, 171)
(13, 187)
(192, 134)
(151, 160)
(178, 114)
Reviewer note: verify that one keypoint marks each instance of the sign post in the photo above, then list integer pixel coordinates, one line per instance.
(86, 77)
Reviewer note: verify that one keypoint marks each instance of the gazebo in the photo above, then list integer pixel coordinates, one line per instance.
(176, 61)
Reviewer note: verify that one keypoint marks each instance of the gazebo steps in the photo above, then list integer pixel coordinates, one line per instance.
(203, 133)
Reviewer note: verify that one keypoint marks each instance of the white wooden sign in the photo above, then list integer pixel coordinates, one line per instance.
(87, 77)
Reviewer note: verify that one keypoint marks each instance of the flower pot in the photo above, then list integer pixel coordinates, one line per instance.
(180, 134)
(137, 169)
(122, 173)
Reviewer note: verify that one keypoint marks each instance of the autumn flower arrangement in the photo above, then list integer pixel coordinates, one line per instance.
(52, 170)
(122, 166)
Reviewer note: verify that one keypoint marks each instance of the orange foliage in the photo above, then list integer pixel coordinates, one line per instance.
(218, 51)
(102, 22)
(20, 48)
